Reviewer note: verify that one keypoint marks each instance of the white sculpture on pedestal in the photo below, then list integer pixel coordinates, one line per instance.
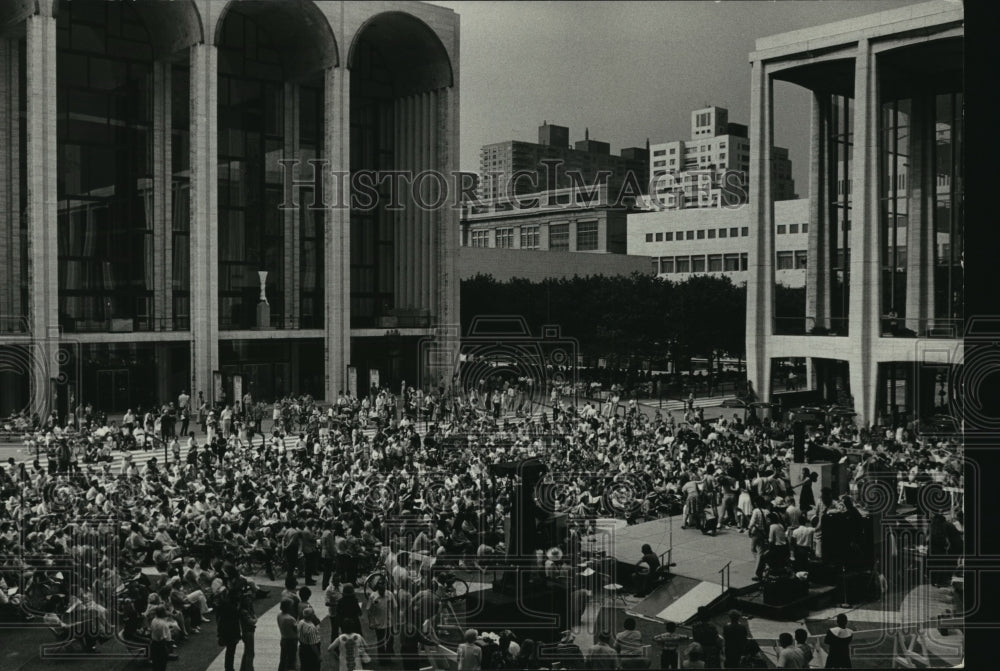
(263, 285)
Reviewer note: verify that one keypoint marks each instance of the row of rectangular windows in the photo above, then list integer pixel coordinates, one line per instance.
(713, 263)
(793, 228)
(699, 234)
(530, 238)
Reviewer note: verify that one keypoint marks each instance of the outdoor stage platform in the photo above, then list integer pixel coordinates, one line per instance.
(698, 575)
(697, 556)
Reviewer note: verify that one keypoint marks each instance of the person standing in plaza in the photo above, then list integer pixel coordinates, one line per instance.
(470, 655)
(226, 419)
(290, 546)
(289, 636)
(735, 634)
(202, 412)
(351, 650)
(807, 498)
(381, 606)
(349, 611)
(753, 657)
(160, 636)
(309, 640)
(838, 644)
(777, 550)
(802, 643)
(707, 636)
(227, 614)
(248, 627)
(184, 410)
(328, 553)
(601, 657)
(789, 656)
(670, 641)
(310, 551)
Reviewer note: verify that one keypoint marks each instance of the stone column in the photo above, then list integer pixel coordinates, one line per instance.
(11, 308)
(163, 224)
(866, 277)
(204, 219)
(818, 262)
(420, 216)
(292, 217)
(402, 232)
(435, 217)
(43, 245)
(337, 227)
(760, 281)
(920, 190)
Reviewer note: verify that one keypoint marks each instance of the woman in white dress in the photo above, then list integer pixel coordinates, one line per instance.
(744, 508)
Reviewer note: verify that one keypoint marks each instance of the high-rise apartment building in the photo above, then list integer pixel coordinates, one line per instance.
(709, 170)
(516, 168)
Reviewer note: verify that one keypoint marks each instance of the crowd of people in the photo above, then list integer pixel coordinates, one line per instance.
(404, 479)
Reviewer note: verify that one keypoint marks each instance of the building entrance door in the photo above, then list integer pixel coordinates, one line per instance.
(113, 390)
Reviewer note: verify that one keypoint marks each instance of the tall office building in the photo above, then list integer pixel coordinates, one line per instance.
(710, 169)
(881, 317)
(142, 197)
(501, 162)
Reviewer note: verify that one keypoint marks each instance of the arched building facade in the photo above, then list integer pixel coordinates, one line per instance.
(157, 158)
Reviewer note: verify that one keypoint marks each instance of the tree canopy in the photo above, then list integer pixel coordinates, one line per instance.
(622, 317)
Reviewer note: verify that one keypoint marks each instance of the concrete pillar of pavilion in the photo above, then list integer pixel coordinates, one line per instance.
(818, 261)
(43, 276)
(337, 222)
(204, 219)
(760, 283)
(920, 192)
(162, 223)
(866, 276)
(11, 308)
(446, 282)
(291, 217)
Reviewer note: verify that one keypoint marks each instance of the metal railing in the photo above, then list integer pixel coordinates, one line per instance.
(724, 576)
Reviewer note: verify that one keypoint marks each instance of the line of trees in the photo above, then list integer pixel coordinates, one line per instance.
(622, 318)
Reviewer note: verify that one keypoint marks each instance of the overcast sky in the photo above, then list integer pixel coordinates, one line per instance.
(626, 70)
